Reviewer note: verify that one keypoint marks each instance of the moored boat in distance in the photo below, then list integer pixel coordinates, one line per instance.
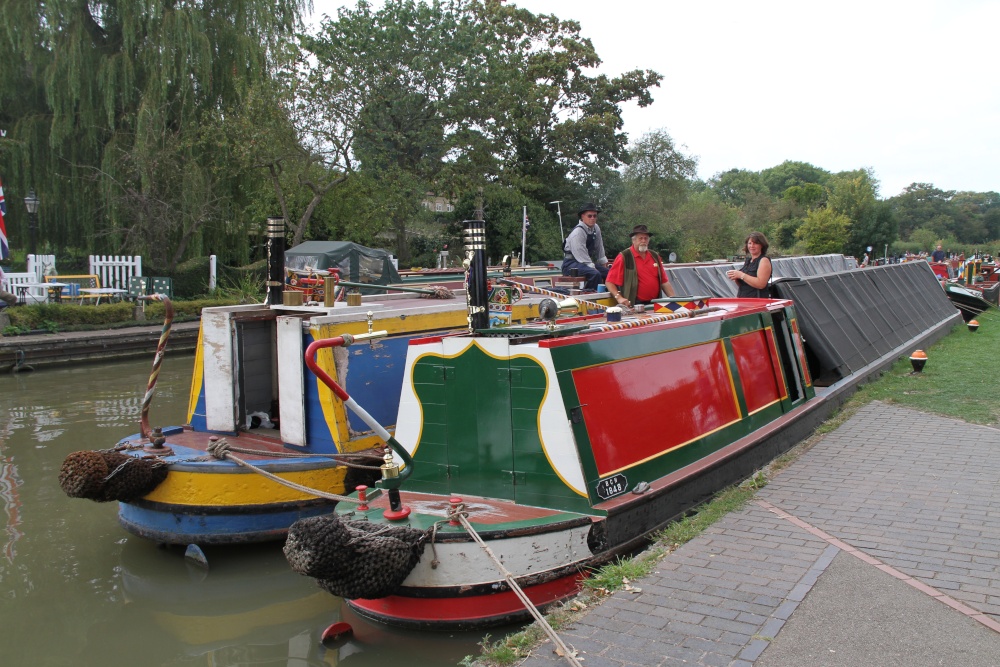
(534, 452)
(974, 289)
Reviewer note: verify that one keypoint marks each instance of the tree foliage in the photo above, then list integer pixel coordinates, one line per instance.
(736, 185)
(790, 174)
(971, 218)
(654, 184)
(824, 231)
(447, 96)
(107, 97)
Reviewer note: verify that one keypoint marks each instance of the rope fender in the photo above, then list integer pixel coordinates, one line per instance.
(108, 475)
(353, 559)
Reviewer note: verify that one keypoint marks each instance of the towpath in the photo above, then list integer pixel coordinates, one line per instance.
(880, 546)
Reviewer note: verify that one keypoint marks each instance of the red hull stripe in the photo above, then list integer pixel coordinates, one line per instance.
(476, 609)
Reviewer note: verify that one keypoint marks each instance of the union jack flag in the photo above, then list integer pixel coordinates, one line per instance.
(4, 247)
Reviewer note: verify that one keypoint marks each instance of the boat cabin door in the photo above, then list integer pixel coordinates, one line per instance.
(480, 417)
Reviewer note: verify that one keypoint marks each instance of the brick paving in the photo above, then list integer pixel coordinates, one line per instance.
(915, 496)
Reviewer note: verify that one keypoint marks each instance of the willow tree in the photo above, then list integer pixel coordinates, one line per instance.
(118, 91)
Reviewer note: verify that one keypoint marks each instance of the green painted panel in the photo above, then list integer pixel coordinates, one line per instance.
(526, 398)
(432, 393)
(427, 477)
(471, 421)
(526, 420)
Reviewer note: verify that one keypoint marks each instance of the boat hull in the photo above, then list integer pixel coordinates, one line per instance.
(969, 301)
(613, 422)
(204, 500)
(176, 524)
(467, 611)
(461, 586)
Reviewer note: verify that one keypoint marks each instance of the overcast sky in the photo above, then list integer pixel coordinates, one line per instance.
(908, 88)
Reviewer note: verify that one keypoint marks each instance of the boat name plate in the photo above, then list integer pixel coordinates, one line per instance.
(612, 486)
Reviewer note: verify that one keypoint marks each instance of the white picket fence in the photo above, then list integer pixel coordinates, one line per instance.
(115, 271)
(41, 266)
(33, 294)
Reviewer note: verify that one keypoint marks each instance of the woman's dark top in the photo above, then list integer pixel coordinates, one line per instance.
(750, 267)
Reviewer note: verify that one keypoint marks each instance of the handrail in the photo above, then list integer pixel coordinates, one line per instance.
(343, 341)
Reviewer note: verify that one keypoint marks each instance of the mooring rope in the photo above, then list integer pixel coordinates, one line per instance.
(298, 455)
(220, 450)
(157, 361)
(589, 305)
(564, 650)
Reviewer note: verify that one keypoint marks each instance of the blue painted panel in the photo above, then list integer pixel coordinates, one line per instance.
(375, 378)
(198, 419)
(199, 528)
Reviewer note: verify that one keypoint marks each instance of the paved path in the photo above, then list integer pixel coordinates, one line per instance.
(879, 546)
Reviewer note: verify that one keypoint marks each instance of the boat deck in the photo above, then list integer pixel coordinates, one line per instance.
(493, 513)
(190, 446)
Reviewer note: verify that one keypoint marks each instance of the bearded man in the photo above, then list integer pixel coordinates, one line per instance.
(637, 274)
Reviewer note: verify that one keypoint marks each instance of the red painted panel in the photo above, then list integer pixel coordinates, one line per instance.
(467, 608)
(802, 353)
(655, 403)
(776, 360)
(757, 369)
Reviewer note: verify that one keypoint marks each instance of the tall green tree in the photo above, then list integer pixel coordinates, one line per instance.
(854, 194)
(918, 204)
(654, 184)
(733, 187)
(450, 95)
(824, 231)
(790, 173)
(117, 94)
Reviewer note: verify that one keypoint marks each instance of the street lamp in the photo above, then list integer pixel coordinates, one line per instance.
(559, 213)
(31, 203)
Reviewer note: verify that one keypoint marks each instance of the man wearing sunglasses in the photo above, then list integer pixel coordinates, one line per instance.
(584, 249)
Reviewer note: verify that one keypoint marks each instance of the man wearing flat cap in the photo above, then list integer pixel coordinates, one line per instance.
(584, 249)
(637, 276)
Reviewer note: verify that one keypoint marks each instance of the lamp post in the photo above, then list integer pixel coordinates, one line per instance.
(559, 213)
(31, 203)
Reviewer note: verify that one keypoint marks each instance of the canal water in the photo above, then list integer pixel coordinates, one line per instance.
(77, 590)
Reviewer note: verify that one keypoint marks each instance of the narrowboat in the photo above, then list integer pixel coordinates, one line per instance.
(525, 455)
(265, 443)
(976, 287)
(967, 298)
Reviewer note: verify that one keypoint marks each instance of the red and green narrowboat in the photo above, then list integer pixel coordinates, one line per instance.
(532, 453)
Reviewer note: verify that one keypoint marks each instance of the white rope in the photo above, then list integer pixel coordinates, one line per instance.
(285, 482)
(528, 604)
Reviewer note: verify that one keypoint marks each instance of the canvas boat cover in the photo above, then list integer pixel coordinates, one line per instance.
(711, 280)
(357, 263)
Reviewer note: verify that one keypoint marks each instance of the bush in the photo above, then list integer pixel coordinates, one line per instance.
(71, 317)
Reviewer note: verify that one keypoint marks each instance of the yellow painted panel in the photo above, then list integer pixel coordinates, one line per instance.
(240, 489)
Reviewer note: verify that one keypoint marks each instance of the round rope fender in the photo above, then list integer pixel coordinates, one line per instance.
(353, 559)
(107, 475)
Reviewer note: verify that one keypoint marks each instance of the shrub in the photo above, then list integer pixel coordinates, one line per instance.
(69, 317)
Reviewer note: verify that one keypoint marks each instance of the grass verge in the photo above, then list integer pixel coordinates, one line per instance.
(956, 382)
